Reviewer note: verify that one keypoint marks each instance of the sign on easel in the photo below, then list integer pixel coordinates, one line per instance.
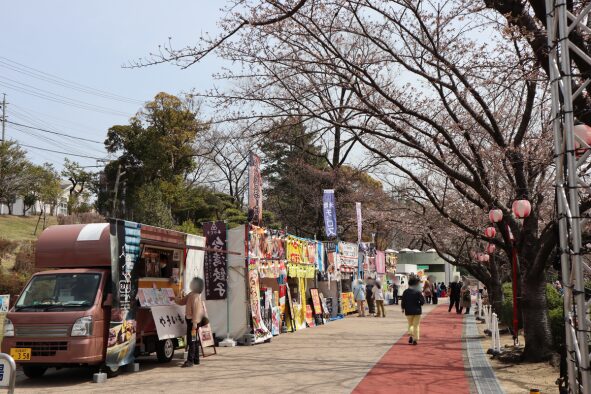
(206, 337)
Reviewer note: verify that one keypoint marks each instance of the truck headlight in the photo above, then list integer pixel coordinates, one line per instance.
(82, 327)
(8, 328)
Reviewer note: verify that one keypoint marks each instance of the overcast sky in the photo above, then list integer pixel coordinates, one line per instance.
(87, 43)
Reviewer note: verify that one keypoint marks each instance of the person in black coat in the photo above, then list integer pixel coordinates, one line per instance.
(371, 304)
(455, 289)
(412, 306)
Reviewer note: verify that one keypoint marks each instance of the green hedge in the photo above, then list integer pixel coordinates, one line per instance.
(555, 311)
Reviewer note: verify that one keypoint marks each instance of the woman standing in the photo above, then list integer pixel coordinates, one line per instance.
(466, 298)
(194, 316)
(359, 293)
(427, 291)
(412, 302)
(378, 295)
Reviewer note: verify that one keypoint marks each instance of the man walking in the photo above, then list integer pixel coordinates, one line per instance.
(412, 302)
(395, 293)
(455, 289)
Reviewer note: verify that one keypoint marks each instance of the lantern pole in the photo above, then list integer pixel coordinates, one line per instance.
(515, 287)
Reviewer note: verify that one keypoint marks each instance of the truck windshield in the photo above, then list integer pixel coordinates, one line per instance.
(57, 291)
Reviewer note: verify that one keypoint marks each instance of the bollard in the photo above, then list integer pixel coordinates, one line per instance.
(7, 373)
(99, 377)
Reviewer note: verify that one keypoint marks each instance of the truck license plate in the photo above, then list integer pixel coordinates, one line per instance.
(20, 354)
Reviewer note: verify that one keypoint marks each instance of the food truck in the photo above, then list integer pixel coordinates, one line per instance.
(105, 294)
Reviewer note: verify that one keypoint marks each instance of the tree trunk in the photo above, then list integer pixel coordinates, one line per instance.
(495, 290)
(536, 324)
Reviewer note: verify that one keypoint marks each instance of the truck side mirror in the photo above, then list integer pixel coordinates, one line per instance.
(108, 300)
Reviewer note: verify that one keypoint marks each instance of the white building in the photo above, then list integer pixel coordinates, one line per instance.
(61, 208)
(412, 261)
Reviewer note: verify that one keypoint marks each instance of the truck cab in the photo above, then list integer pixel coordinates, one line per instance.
(60, 319)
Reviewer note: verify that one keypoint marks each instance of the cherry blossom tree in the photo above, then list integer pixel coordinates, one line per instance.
(441, 94)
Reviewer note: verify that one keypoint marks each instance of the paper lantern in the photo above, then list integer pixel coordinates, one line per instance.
(495, 215)
(490, 248)
(485, 258)
(521, 208)
(584, 133)
(490, 232)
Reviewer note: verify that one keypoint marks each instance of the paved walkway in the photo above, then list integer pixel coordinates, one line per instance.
(362, 355)
(435, 365)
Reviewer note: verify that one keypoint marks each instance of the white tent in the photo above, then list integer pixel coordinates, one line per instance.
(194, 262)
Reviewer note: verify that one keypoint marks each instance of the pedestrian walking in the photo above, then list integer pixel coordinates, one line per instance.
(412, 302)
(466, 298)
(195, 318)
(434, 290)
(371, 305)
(395, 289)
(427, 291)
(378, 295)
(454, 294)
(443, 288)
(359, 294)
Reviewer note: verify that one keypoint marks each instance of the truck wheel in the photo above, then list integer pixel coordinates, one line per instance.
(33, 372)
(165, 350)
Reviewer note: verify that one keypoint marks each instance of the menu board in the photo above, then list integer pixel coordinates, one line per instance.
(152, 297)
(316, 301)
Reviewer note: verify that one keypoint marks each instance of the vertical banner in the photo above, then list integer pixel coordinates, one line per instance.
(216, 283)
(125, 252)
(330, 213)
(359, 221)
(380, 262)
(255, 190)
(260, 330)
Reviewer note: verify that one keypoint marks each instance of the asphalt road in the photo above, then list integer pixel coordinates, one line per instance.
(328, 359)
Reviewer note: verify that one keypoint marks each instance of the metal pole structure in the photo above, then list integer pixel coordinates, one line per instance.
(3, 117)
(561, 22)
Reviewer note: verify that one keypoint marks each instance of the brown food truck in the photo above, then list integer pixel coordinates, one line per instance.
(82, 309)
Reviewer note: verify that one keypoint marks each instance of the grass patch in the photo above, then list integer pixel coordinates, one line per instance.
(21, 228)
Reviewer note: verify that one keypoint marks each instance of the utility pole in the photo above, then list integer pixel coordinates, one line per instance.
(3, 117)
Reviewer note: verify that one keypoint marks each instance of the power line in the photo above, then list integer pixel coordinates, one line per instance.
(44, 76)
(63, 153)
(44, 94)
(54, 132)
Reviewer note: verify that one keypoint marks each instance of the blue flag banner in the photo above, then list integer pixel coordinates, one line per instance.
(330, 213)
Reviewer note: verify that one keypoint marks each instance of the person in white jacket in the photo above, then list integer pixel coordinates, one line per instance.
(378, 295)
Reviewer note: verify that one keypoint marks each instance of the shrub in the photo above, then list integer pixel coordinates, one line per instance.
(81, 218)
(12, 282)
(555, 311)
(25, 258)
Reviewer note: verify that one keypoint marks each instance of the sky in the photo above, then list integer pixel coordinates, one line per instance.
(86, 43)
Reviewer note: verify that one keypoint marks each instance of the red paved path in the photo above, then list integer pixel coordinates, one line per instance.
(435, 365)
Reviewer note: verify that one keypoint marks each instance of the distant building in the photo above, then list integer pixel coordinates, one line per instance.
(413, 261)
(61, 208)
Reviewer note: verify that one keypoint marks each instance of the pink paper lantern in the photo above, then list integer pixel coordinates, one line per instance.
(490, 248)
(521, 208)
(485, 258)
(490, 232)
(495, 215)
(584, 133)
